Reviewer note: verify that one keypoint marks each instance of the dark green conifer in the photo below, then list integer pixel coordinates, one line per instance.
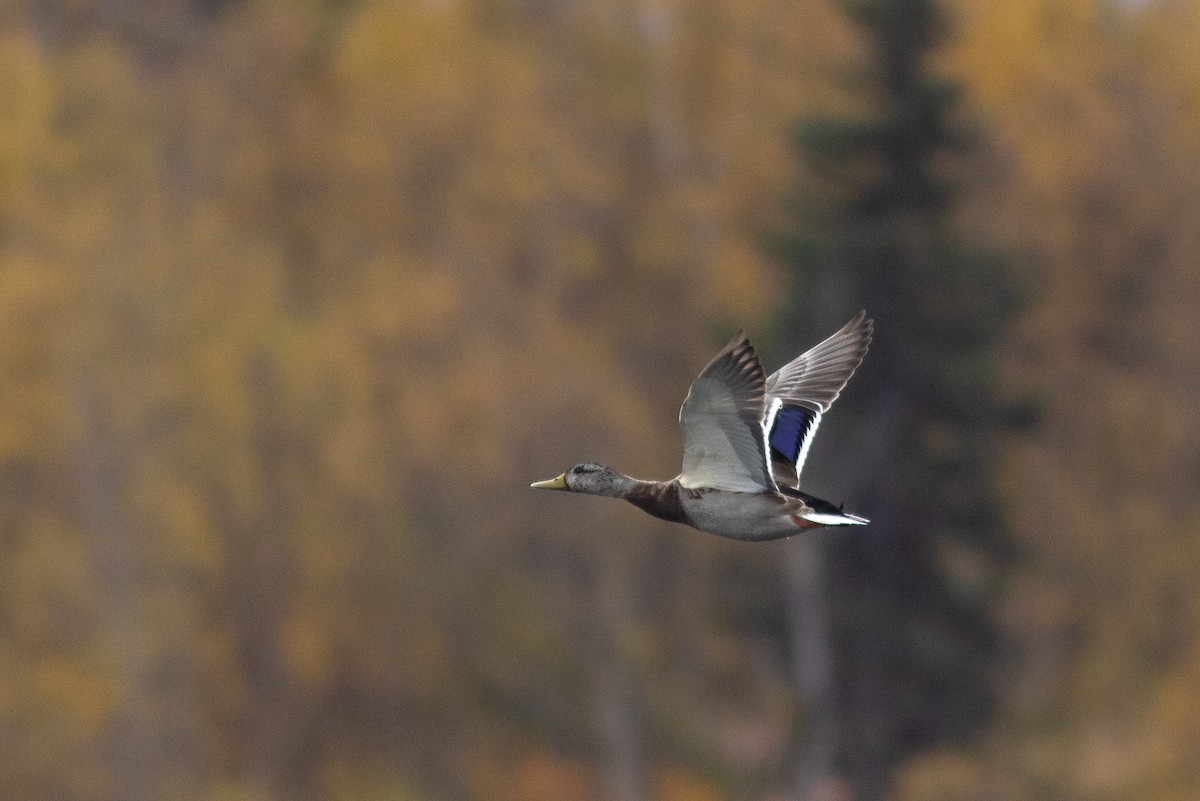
(916, 646)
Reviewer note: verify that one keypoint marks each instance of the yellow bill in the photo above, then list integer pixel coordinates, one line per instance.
(558, 483)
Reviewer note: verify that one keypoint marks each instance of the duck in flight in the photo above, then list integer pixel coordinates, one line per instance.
(745, 438)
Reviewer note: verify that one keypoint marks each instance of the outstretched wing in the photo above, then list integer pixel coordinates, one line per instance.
(804, 389)
(723, 443)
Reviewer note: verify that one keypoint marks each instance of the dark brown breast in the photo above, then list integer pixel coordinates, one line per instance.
(661, 499)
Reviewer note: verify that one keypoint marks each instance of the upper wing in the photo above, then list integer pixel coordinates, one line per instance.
(804, 389)
(723, 442)
(814, 378)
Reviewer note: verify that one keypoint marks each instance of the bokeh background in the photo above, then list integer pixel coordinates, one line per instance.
(299, 296)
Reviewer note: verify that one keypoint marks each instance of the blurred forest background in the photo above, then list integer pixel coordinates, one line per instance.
(299, 296)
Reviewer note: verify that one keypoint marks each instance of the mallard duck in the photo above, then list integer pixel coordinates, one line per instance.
(745, 438)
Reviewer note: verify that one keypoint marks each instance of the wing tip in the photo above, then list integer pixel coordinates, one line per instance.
(861, 324)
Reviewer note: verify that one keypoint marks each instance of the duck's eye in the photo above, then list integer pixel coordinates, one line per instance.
(577, 469)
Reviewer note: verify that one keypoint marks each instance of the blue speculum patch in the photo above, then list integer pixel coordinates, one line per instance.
(792, 424)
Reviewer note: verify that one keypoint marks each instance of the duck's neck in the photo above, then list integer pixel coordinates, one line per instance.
(618, 485)
(659, 498)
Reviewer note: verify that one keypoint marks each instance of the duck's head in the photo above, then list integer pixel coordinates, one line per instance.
(590, 479)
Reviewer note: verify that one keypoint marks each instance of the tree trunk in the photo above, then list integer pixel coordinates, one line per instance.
(812, 663)
(614, 686)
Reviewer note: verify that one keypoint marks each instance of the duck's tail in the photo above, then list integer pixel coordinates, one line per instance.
(824, 513)
(835, 519)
